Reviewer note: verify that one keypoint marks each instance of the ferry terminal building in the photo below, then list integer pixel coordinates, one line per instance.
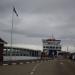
(17, 53)
(51, 46)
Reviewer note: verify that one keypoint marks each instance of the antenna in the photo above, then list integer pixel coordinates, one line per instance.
(67, 49)
(53, 36)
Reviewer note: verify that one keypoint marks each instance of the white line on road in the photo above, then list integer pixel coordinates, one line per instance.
(5, 64)
(34, 69)
(21, 63)
(27, 62)
(14, 63)
(33, 62)
(61, 63)
(48, 60)
(31, 73)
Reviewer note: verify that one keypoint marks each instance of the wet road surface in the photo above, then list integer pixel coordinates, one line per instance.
(51, 67)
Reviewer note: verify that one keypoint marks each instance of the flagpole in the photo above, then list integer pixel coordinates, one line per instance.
(11, 35)
(13, 11)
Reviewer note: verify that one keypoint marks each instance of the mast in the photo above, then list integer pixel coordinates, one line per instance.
(11, 33)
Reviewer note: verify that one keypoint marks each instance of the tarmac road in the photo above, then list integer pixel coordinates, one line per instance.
(56, 67)
(52, 67)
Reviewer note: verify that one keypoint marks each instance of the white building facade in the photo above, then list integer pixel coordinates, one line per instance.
(51, 46)
(20, 53)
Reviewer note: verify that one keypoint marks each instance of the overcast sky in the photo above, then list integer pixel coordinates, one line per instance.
(38, 19)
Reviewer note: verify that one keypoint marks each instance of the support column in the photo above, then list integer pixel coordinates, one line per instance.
(1, 53)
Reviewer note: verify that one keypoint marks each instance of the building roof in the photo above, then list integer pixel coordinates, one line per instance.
(2, 41)
(51, 39)
(23, 46)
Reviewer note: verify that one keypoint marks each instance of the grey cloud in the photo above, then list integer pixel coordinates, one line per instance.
(38, 19)
(43, 6)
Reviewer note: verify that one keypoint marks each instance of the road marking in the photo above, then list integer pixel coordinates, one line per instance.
(49, 60)
(34, 69)
(27, 62)
(5, 64)
(61, 63)
(31, 73)
(55, 59)
(21, 63)
(14, 63)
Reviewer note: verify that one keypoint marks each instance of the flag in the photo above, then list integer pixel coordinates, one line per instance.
(14, 10)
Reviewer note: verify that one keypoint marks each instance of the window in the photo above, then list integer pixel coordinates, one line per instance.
(47, 46)
(43, 46)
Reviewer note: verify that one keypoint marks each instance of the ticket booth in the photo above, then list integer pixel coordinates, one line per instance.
(2, 42)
